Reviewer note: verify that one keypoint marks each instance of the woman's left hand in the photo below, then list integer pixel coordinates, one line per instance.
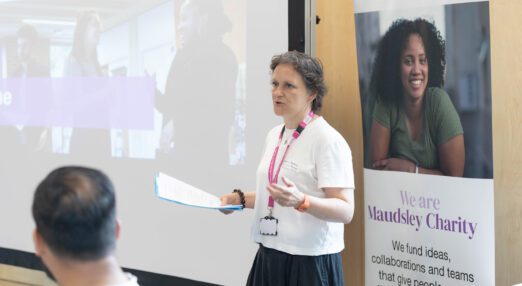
(287, 195)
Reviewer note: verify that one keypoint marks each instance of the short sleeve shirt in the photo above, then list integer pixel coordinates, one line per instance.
(319, 158)
(441, 123)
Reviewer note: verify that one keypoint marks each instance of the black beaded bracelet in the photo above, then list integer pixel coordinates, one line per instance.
(241, 197)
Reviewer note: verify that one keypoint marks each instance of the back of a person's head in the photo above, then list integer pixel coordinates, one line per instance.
(74, 211)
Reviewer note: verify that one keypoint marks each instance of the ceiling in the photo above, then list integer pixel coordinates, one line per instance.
(56, 18)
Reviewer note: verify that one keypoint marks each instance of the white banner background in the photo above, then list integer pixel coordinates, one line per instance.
(470, 256)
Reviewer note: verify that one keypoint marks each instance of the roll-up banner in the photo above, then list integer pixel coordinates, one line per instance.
(425, 86)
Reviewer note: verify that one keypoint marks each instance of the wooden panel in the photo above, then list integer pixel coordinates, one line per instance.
(11, 275)
(506, 78)
(335, 47)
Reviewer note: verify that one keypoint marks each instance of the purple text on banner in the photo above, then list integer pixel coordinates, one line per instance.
(85, 102)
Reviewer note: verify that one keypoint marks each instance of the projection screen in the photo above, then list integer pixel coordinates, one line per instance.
(137, 87)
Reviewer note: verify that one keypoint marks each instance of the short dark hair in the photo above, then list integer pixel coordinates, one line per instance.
(75, 213)
(28, 32)
(310, 69)
(218, 21)
(385, 81)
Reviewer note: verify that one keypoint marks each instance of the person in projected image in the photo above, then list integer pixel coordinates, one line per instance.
(83, 59)
(26, 45)
(415, 126)
(198, 104)
(27, 138)
(74, 209)
(305, 186)
(83, 62)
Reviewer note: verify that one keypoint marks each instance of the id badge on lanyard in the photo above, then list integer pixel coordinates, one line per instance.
(268, 224)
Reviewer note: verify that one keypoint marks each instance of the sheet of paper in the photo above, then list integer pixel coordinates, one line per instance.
(174, 190)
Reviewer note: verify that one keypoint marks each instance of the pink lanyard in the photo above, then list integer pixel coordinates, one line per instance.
(272, 179)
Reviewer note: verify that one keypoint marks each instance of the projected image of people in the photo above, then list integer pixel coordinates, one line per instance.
(415, 126)
(198, 104)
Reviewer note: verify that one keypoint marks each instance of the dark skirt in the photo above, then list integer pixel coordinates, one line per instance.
(276, 268)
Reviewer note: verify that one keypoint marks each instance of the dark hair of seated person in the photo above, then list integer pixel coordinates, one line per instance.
(75, 213)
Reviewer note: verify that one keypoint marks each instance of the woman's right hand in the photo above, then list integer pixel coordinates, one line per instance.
(395, 164)
(229, 199)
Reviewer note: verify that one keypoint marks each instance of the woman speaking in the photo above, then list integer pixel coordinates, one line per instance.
(304, 190)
